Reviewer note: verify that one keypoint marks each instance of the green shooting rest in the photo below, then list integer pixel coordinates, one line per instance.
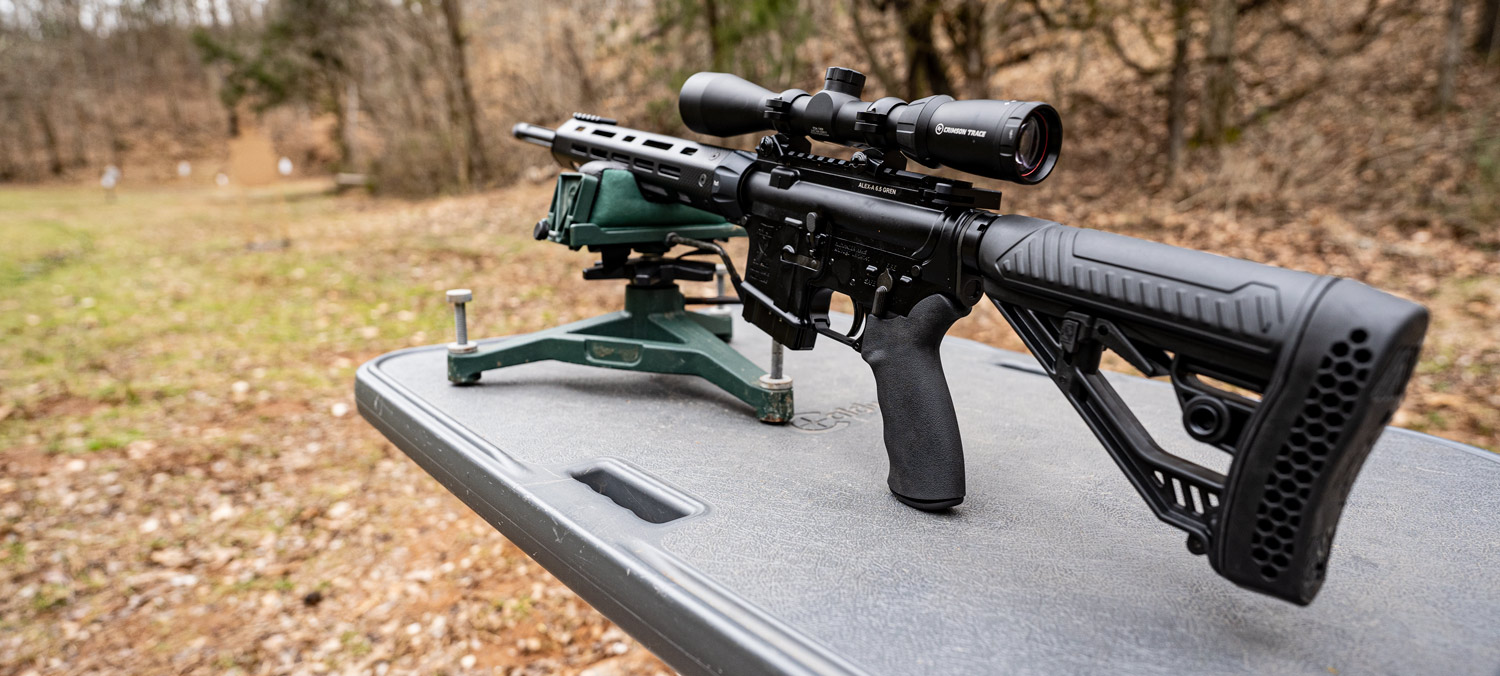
(606, 212)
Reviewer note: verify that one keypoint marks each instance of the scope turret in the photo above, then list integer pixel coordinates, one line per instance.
(1010, 140)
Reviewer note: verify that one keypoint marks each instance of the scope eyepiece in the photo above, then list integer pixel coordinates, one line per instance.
(1015, 141)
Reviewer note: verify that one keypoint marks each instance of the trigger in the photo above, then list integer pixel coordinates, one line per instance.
(858, 323)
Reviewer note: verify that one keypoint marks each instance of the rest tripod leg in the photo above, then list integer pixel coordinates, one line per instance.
(655, 334)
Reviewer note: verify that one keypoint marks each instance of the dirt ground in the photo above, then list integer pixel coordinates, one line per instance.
(186, 488)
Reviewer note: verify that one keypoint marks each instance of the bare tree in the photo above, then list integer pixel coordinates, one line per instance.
(965, 26)
(1452, 53)
(473, 142)
(1487, 41)
(50, 142)
(757, 39)
(349, 133)
(865, 39)
(718, 52)
(925, 71)
(1177, 86)
(1219, 88)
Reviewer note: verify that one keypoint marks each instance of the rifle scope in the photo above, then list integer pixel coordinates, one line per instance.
(1009, 140)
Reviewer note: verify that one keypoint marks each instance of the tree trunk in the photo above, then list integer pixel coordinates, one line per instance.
(25, 141)
(581, 71)
(7, 158)
(473, 141)
(80, 150)
(925, 71)
(1452, 51)
(1218, 90)
(341, 133)
(865, 41)
(49, 140)
(965, 26)
(116, 142)
(717, 54)
(233, 122)
(1487, 41)
(349, 134)
(453, 136)
(1177, 87)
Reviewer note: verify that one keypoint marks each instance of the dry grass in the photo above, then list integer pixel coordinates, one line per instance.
(185, 487)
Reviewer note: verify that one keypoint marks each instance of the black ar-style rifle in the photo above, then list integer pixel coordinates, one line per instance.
(1327, 358)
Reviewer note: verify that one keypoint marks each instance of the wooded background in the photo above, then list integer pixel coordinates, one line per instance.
(185, 483)
(1352, 138)
(420, 93)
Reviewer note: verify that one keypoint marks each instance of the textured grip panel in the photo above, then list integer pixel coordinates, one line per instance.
(916, 408)
(1233, 300)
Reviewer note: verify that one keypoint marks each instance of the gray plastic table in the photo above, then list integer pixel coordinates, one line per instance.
(727, 546)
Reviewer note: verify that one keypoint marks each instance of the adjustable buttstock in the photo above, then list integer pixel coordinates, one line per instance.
(1331, 397)
(1328, 357)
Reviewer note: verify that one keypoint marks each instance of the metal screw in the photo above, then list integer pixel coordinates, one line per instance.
(457, 298)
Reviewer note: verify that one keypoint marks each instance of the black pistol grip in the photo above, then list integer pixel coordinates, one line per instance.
(916, 409)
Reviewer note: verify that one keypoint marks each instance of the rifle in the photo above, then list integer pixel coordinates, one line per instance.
(1317, 364)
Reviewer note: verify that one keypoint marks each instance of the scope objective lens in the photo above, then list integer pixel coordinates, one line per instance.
(1032, 145)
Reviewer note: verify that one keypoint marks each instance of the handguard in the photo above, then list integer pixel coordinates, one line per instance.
(1329, 359)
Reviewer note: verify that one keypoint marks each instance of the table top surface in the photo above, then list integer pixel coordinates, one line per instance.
(743, 547)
